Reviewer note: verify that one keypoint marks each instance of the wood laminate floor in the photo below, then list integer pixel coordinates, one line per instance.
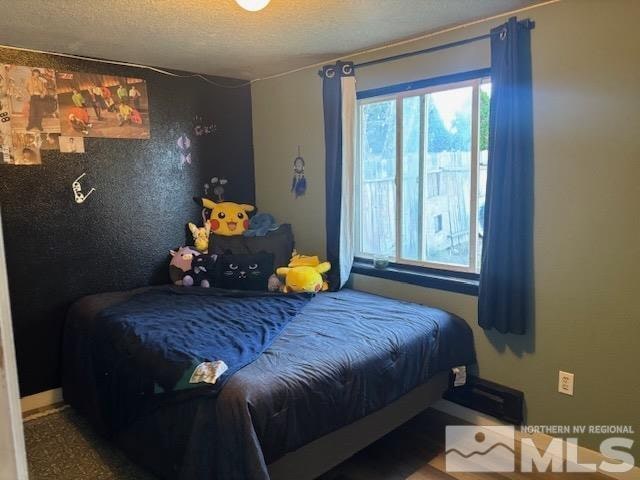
(63, 446)
(415, 451)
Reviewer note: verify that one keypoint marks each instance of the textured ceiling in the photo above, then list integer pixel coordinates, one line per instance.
(218, 37)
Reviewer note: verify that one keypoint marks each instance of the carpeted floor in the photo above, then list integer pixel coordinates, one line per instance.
(62, 446)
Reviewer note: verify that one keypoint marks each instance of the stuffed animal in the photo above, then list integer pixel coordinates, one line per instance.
(227, 218)
(298, 260)
(180, 265)
(244, 271)
(188, 267)
(304, 278)
(201, 236)
(261, 224)
(203, 270)
(274, 284)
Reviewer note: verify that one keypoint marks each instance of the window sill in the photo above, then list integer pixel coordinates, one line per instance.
(422, 276)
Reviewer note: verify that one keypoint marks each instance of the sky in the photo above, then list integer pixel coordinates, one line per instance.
(449, 102)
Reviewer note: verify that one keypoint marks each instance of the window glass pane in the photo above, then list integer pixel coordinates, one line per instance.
(448, 172)
(411, 178)
(378, 172)
(483, 161)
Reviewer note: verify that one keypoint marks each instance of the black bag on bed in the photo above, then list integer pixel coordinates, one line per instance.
(278, 242)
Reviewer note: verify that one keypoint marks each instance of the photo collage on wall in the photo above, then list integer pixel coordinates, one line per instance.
(41, 109)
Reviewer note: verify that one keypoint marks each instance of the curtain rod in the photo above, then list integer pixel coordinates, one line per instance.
(530, 24)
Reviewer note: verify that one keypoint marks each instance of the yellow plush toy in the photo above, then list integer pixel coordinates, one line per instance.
(227, 218)
(200, 236)
(298, 260)
(304, 278)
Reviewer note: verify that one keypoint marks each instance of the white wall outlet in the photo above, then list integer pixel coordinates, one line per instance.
(565, 382)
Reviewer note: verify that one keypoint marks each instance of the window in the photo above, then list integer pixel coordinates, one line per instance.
(437, 223)
(421, 175)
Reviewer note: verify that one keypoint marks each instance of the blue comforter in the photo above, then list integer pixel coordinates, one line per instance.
(147, 348)
(343, 356)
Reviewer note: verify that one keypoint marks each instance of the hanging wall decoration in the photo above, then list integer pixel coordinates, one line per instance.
(105, 106)
(217, 188)
(77, 190)
(187, 142)
(202, 126)
(299, 181)
(184, 148)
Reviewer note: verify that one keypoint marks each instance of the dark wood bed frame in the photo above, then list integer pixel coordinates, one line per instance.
(323, 454)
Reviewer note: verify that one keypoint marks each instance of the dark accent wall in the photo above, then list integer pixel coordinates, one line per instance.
(58, 251)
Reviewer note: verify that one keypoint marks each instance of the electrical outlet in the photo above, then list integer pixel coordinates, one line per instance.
(565, 382)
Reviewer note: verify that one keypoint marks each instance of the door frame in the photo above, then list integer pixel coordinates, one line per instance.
(13, 458)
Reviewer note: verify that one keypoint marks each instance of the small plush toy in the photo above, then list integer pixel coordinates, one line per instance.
(203, 270)
(227, 218)
(274, 284)
(180, 265)
(188, 267)
(304, 278)
(201, 236)
(261, 224)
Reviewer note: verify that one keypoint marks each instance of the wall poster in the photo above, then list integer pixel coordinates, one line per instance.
(37, 105)
(106, 106)
(29, 111)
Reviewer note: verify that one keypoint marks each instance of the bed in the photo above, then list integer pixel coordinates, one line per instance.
(347, 368)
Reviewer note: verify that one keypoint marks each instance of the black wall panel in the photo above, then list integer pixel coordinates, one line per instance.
(59, 251)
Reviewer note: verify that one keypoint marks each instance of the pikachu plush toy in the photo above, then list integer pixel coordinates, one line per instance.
(201, 236)
(227, 218)
(304, 274)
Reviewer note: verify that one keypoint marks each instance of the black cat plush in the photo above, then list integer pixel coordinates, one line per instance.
(244, 271)
(203, 270)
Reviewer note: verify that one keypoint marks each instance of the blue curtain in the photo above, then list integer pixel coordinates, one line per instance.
(332, 96)
(506, 298)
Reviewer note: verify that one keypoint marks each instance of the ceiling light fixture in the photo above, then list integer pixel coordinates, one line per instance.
(253, 5)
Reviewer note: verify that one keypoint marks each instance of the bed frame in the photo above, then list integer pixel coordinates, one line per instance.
(323, 454)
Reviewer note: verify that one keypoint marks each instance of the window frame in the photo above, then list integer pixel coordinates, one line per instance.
(474, 79)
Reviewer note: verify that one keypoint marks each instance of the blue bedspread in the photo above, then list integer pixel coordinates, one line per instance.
(147, 348)
(343, 356)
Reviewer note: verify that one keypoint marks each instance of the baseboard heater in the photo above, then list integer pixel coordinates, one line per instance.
(502, 402)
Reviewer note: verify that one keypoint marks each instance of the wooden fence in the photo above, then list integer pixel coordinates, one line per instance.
(447, 190)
